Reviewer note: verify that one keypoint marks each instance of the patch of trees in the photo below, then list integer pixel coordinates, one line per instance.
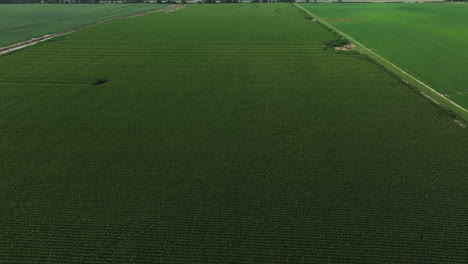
(49, 1)
(271, 1)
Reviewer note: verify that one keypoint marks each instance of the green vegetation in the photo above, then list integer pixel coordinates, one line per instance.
(23, 22)
(426, 40)
(227, 135)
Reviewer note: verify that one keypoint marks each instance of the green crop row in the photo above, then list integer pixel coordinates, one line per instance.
(225, 134)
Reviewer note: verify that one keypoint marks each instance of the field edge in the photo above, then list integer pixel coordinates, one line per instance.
(452, 109)
(4, 50)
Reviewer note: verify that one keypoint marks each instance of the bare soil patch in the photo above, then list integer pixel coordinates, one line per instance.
(173, 8)
(346, 47)
(460, 123)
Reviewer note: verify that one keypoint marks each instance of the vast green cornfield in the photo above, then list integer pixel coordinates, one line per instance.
(426, 40)
(19, 22)
(227, 135)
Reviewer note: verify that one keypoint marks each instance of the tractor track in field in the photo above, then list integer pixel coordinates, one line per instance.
(173, 8)
(33, 41)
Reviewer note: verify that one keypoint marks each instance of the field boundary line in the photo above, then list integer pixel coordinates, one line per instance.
(385, 60)
(33, 41)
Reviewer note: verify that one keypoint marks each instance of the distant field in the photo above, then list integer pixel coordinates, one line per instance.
(368, 1)
(19, 22)
(429, 41)
(226, 134)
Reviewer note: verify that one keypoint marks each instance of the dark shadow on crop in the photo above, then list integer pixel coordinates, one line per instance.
(100, 81)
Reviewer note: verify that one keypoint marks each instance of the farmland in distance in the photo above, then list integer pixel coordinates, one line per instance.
(222, 134)
(20, 22)
(426, 40)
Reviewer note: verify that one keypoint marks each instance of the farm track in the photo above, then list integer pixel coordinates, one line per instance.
(28, 43)
(173, 8)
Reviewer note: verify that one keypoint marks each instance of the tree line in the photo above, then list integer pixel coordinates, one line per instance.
(156, 1)
(133, 1)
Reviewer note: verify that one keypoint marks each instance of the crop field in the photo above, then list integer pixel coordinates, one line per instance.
(227, 135)
(426, 40)
(19, 22)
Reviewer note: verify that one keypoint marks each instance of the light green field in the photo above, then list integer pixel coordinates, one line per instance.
(369, 1)
(426, 40)
(227, 135)
(19, 22)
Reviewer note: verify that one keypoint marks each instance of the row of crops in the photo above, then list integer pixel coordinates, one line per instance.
(224, 134)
